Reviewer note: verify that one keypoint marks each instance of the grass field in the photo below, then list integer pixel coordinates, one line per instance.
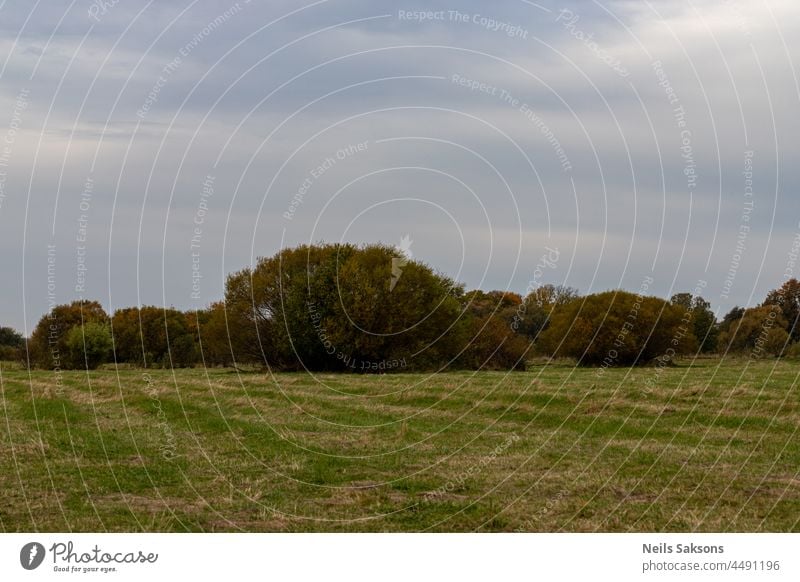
(711, 446)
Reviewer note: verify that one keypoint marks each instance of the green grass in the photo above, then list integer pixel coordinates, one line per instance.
(706, 446)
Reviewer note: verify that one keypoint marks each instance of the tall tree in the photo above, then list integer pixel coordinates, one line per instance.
(704, 322)
(553, 295)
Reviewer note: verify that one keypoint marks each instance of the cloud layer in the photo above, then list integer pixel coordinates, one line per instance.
(148, 141)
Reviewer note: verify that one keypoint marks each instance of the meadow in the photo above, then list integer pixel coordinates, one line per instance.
(706, 445)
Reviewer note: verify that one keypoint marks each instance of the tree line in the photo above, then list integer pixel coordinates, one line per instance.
(342, 307)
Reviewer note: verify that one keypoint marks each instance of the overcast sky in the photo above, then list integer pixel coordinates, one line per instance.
(147, 149)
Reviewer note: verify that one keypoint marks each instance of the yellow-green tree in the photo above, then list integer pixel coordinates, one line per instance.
(88, 345)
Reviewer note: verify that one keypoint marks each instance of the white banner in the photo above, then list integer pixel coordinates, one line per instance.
(400, 557)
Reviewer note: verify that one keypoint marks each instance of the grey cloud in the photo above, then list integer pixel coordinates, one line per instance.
(712, 55)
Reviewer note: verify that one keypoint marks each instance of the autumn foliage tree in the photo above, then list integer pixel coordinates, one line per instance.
(343, 307)
(618, 328)
(761, 331)
(787, 297)
(493, 345)
(213, 336)
(153, 336)
(493, 339)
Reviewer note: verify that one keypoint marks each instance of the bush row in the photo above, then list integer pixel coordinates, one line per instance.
(371, 309)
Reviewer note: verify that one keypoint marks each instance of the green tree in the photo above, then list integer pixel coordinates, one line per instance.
(279, 308)
(47, 344)
(127, 336)
(11, 343)
(88, 345)
(414, 316)
(495, 326)
(734, 314)
(11, 338)
(705, 326)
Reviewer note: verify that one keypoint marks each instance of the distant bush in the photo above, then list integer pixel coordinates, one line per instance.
(760, 331)
(618, 328)
(493, 345)
(793, 351)
(153, 337)
(494, 341)
(776, 342)
(11, 345)
(214, 340)
(371, 308)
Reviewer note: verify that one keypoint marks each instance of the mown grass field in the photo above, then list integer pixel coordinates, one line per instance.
(704, 446)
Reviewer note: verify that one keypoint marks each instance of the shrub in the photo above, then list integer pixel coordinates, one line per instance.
(776, 341)
(618, 328)
(493, 345)
(793, 351)
(751, 332)
(152, 335)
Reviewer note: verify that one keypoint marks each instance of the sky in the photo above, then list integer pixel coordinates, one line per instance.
(148, 149)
